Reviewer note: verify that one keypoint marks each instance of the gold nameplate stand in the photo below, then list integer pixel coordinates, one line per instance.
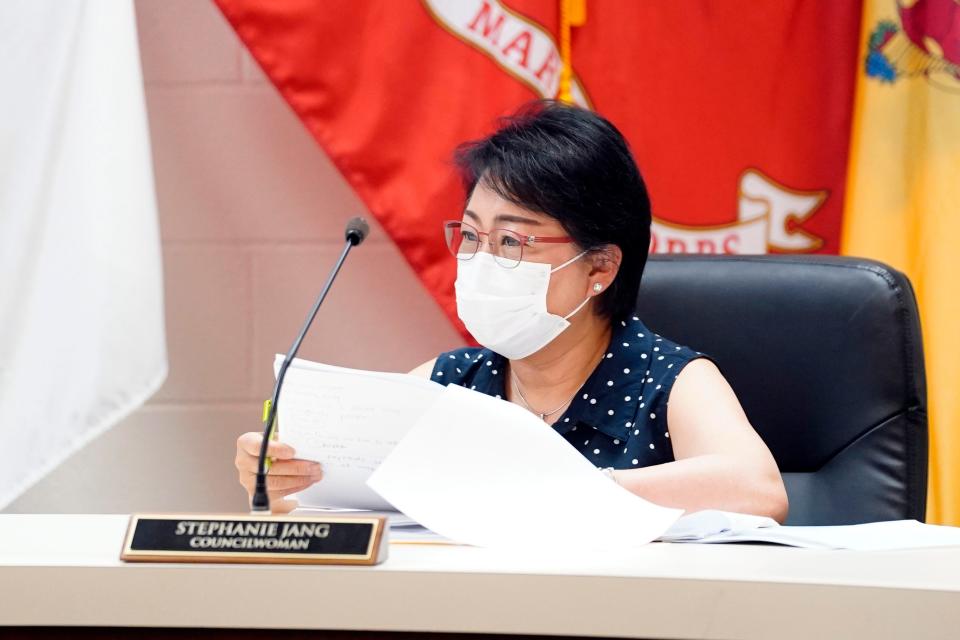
(256, 539)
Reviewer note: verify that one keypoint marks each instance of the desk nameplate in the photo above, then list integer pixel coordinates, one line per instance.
(255, 539)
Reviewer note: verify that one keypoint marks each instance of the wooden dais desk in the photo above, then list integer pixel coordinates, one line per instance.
(64, 571)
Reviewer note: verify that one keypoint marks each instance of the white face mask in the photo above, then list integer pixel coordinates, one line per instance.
(506, 309)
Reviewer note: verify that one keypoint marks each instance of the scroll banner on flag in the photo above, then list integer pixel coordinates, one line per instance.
(768, 218)
(738, 112)
(904, 196)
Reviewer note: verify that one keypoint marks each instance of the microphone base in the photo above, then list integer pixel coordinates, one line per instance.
(260, 504)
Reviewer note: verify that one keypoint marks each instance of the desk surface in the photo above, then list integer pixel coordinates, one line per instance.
(64, 570)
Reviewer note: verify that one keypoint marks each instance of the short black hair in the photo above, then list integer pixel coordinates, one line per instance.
(576, 167)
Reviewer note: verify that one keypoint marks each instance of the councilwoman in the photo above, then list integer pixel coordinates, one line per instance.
(550, 249)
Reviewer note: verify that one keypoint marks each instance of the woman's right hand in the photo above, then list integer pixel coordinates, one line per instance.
(287, 474)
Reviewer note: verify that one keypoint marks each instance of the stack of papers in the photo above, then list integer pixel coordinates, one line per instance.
(450, 465)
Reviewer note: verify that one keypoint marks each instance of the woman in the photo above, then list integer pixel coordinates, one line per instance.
(550, 249)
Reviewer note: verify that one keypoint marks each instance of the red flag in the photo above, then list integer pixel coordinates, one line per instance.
(738, 112)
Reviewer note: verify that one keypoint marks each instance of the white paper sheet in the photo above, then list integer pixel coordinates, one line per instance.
(710, 524)
(348, 420)
(873, 536)
(481, 471)
(712, 527)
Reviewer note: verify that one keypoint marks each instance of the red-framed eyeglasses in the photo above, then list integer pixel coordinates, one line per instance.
(506, 246)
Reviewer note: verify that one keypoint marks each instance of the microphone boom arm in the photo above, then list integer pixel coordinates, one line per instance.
(261, 499)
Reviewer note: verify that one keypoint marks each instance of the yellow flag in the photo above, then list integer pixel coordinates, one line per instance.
(903, 196)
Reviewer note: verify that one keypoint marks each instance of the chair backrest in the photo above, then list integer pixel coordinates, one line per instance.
(825, 354)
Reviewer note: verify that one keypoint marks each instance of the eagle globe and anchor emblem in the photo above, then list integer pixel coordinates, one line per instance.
(926, 44)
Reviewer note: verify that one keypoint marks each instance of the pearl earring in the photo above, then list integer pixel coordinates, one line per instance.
(597, 287)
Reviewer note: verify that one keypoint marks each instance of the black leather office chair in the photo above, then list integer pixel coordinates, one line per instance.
(826, 357)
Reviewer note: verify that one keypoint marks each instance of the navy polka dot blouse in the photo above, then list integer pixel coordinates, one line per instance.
(619, 417)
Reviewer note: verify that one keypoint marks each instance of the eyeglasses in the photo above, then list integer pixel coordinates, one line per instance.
(506, 246)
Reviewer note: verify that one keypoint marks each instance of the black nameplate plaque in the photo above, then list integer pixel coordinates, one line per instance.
(247, 538)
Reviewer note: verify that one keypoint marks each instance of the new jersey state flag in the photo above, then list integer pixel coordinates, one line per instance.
(903, 205)
(738, 111)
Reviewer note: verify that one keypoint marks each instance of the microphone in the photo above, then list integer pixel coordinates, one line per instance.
(355, 233)
(357, 230)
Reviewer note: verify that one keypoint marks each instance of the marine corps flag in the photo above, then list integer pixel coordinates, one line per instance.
(738, 112)
(904, 196)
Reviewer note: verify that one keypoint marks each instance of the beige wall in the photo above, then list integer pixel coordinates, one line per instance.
(252, 215)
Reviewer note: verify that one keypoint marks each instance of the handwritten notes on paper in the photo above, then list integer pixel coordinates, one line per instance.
(348, 420)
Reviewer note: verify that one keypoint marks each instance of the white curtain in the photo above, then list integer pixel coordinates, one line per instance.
(81, 299)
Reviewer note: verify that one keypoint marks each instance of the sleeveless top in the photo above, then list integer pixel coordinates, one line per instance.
(618, 418)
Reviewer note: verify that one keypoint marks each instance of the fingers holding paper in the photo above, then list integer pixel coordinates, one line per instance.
(287, 474)
(249, 444)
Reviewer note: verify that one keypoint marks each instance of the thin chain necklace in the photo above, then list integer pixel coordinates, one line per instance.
(543, 414)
